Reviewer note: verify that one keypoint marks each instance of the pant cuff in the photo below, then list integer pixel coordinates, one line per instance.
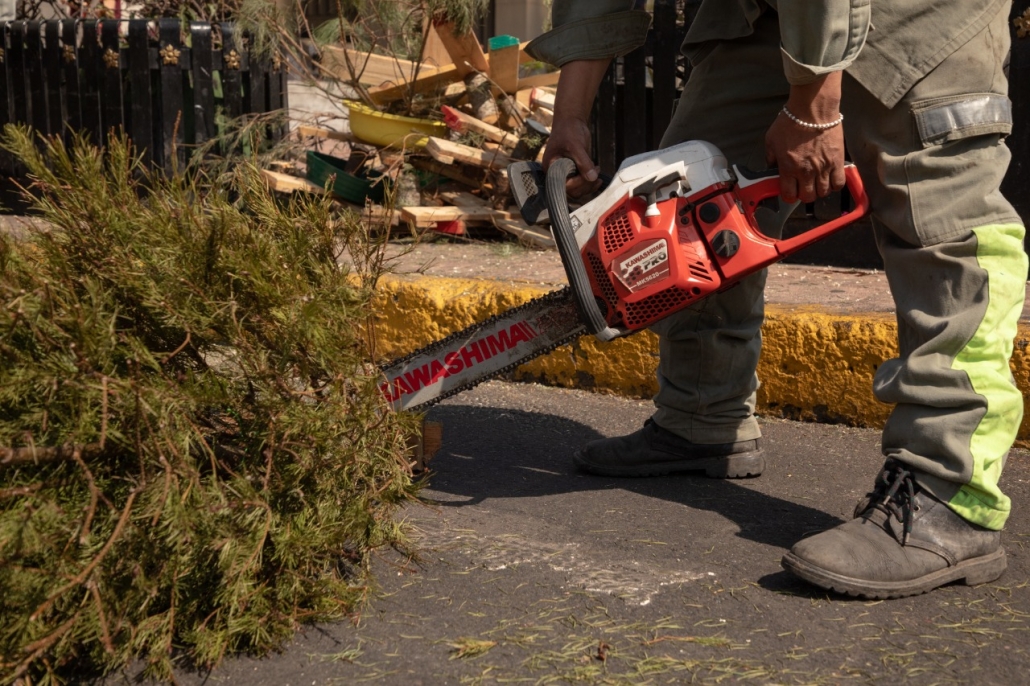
(705, 431)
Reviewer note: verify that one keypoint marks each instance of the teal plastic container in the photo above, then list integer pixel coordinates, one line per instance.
(498, 42)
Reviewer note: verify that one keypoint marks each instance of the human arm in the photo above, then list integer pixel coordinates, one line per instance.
(570, 130)
(818, 41)
(587, 34)
(810, 161)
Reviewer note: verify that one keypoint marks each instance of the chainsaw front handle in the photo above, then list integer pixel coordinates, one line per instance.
(571, 258)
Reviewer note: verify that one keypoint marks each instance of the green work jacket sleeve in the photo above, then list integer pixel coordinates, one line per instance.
(820, 37)
(590, 30)
(817, 37)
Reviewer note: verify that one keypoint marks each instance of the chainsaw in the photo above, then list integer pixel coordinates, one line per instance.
(671, 228)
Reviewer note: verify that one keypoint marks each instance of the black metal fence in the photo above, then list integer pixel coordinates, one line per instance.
(638, 94)
(170, 85)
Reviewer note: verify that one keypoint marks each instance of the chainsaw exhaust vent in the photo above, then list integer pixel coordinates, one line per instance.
(699, 271)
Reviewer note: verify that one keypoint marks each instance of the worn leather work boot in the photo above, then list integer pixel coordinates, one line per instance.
(902, 542)
(654, 451)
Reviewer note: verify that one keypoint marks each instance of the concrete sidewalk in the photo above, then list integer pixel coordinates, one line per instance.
(826, 331)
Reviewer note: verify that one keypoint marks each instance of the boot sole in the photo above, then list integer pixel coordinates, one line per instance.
(717, 467)
(977, 570)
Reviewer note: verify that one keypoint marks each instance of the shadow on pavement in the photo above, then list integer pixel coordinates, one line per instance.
(503, 453)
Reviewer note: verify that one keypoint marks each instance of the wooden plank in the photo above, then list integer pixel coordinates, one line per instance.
(463, 199)
(540, 80)
(465, 51)
(112, 116)
(434, 54)
(284, 183)
(173, 125)
(141, 104)
(447, 152)
(428, 216)
(544, 117)
(34, 73)
(539, 97)
(445, 170)
(371, 213)
(666, 51)
(504, 68)
(371, 69)
(56, 117)
(425, 83)
(465, 207)
(462, 122)
(203, 82)
(70, 65)
(525, 57)
(523, 231)
(315, 132)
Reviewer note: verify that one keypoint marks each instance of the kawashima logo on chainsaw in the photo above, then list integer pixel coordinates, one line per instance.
(649, 263)
(473, 354)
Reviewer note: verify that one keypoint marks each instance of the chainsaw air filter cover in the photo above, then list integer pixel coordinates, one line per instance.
(645, 268)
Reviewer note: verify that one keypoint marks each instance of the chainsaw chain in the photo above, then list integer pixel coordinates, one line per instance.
(553, 297)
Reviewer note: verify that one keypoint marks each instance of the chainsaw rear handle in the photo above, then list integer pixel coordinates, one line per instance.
(568, 247)
(753, 188)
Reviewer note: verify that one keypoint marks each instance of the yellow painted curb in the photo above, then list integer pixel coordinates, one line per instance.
(814, 365)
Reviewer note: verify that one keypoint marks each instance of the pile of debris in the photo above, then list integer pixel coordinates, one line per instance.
(444, 169)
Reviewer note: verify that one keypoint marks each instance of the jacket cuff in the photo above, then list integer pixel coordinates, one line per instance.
(611, 35)
(799, 74)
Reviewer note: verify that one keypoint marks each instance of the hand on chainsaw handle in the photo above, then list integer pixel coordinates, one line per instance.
(810, 161)
(570, 131)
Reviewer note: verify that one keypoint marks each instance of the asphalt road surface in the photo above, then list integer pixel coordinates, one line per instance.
(531, 573)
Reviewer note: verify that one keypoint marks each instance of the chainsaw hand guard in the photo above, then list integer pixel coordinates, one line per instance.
(568, 247)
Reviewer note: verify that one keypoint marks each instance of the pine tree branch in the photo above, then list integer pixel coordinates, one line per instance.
(84, 574)
(36, 454)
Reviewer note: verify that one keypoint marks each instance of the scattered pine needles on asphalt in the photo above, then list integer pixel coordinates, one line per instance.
(194, 455)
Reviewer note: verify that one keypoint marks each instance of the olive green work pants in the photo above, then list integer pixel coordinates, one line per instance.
(952, 250)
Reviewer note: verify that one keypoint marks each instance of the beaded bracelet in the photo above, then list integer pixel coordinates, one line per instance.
(809, 125)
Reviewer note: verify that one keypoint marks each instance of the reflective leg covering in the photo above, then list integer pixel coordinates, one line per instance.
(985, 360)
(953, 254)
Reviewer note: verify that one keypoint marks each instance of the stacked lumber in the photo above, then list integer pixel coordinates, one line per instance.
(496, 112)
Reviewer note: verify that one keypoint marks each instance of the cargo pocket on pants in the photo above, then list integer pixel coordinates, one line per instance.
(942, 120)
(952, 176)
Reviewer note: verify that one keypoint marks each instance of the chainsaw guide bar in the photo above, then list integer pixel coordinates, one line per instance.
(481, 352)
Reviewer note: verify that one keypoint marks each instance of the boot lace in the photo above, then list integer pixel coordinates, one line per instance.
(893, 494)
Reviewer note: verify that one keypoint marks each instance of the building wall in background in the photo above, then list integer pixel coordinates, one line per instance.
(524, 19)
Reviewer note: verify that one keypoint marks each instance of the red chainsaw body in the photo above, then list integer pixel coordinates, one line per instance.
(644, 268)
